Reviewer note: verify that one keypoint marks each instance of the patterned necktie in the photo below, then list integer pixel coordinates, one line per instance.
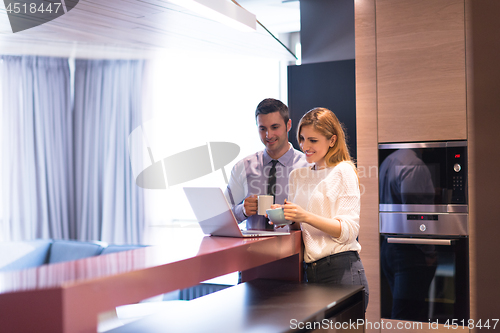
(271, 188)
(271, 180)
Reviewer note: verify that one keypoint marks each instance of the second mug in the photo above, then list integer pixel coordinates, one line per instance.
(264, 202)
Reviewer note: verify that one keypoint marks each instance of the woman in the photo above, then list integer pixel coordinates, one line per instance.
(325, 201)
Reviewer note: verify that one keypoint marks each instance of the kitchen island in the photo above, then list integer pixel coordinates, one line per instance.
(264, 306)
(68, 296)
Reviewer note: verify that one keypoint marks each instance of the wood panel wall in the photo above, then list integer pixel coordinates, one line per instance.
(366, 129)
(375, 124)
(482, 47)
(421, 70)
(471, 157)
(483, 99)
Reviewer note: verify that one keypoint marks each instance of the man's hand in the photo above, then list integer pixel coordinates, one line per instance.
(250, 205)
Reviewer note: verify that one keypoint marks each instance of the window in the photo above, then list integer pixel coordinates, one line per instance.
(2, 238)
(196, 100)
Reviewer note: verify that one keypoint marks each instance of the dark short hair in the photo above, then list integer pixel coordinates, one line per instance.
(270, 105)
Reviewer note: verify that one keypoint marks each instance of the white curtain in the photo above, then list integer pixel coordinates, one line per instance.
(107, 107)
(36, 145)
(66, 172)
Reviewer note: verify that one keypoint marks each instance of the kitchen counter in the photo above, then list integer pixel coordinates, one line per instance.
(264, 306)
(67, 297)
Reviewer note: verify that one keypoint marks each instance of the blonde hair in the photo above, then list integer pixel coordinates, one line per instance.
(326, 122)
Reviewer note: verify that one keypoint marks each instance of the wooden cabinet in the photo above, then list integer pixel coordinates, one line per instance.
(421, 79)
(426, 101)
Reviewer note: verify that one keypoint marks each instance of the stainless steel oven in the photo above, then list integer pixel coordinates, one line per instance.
(423, 222)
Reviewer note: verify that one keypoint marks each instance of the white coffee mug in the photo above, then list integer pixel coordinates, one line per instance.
(264, 203)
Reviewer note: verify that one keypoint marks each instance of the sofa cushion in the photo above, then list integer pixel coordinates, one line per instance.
(67, 250)
(118, 248)
(22, 255)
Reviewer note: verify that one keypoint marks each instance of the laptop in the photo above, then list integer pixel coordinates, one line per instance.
(215, 216)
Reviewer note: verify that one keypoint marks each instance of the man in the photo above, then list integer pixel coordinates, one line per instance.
(250, 176)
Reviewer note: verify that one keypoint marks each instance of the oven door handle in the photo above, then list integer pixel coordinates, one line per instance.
(422, 241)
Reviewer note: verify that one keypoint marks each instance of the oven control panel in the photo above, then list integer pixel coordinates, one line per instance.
(457, 173)
(445, 224)
(422, 217)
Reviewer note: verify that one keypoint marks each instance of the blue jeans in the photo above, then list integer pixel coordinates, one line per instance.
(340, 268)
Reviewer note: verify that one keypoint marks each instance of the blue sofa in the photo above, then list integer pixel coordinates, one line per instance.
(27, 254)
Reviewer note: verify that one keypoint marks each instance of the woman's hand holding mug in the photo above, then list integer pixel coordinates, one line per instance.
(294, 212)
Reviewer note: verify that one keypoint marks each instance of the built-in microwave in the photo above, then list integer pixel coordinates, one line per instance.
(423, 223)
(423, 177)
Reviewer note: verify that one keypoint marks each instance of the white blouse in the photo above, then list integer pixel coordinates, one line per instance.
(331, 193)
